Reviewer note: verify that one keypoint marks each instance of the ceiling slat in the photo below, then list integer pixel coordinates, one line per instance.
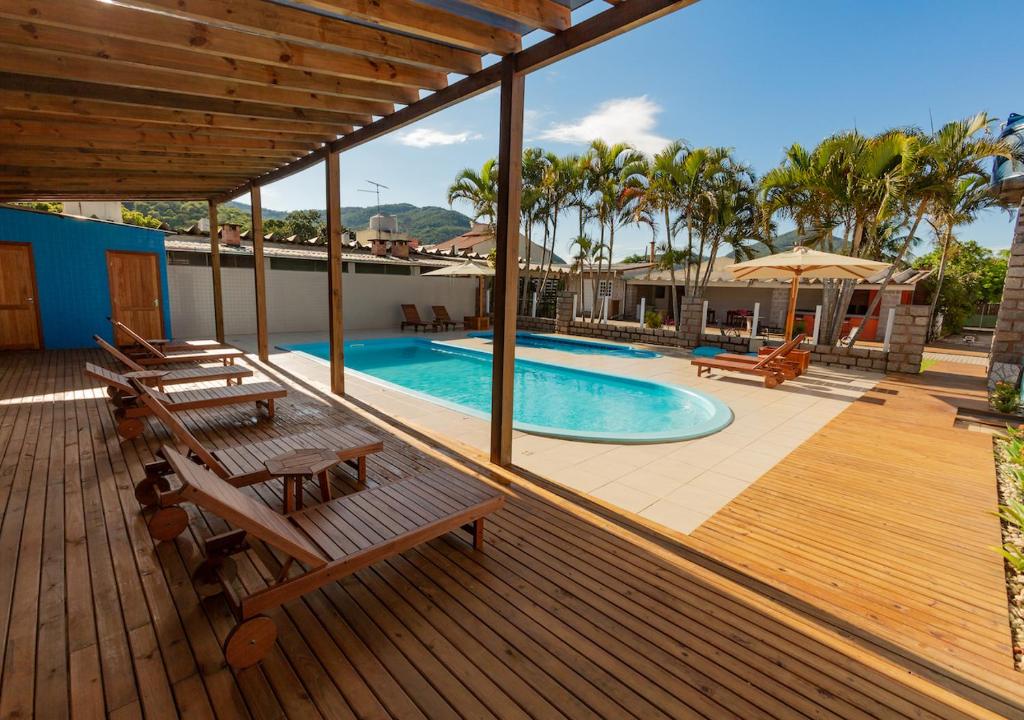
(158, 29)
(425, 21)
(54, 40)
(285, 23)
(83, 69)
(170, 100)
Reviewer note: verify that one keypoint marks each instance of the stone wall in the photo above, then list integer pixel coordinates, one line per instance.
(1008, 341)
(532, 324)
(906, 346)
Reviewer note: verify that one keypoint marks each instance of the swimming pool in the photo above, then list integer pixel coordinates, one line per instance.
(577, 347)
(549, 399)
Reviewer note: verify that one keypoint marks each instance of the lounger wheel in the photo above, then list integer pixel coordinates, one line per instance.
(771, 381)
(167, 523)
(147, 492)
(129, 428)
(250, 641)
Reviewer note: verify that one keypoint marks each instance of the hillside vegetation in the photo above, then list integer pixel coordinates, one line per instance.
(429, 224)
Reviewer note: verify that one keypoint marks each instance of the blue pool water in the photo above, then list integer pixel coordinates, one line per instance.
(549, 399)
(577, 347)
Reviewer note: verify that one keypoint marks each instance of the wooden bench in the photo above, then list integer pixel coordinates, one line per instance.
(160, 378)
(125, 396)
(322, 544)
(164, 344)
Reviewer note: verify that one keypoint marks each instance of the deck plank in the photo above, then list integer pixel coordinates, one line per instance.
(563, 614)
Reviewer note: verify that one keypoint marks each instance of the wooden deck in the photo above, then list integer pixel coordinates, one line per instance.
(564, 614)
(883, 524)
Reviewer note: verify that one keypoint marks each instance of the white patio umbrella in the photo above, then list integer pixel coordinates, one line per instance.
(467, 269)
(804, 262)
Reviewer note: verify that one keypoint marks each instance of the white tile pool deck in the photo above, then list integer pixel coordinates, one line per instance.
(679, 484)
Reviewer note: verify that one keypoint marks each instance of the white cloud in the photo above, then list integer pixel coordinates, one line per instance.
(629, 120)
(428, 137)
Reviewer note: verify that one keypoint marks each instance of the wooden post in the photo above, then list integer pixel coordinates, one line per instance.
(218, 293)
(791, 310)
(506, 271)
(260, 273)
(334, 279)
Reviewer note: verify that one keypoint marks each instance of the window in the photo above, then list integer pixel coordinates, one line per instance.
(383, 269)
(236, 261)
(299, 264)
(659, 292)
(194, 259)
(604, 288)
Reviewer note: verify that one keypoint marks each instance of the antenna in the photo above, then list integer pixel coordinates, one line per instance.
(930, 121)
(377, 187)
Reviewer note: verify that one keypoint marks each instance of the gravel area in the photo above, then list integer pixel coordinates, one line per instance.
(1009, 490)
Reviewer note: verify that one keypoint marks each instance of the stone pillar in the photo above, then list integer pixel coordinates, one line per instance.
(689, 321)
(906, 346)
(1008, 341)
(563, 312)
(779, 305)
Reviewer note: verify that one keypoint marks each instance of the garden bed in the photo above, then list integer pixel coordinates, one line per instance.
(1009, 455)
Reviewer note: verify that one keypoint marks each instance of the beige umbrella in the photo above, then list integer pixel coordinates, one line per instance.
(804, 262)
(467, 269)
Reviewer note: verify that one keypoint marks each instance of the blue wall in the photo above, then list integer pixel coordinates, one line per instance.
(71, 270)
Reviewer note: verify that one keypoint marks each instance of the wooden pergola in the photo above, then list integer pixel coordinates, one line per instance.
(210, 99)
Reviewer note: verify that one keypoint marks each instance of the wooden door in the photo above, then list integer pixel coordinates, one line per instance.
(19, 305)
(135, 293)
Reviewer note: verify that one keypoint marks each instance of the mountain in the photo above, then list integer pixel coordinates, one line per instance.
(429, 224)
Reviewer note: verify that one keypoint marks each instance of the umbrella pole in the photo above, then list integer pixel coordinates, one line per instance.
(791, 313)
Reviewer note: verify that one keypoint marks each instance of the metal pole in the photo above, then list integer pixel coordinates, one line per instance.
(643, 306)
(533, 306)
(753, 322)
(703, 317)
(817, 324)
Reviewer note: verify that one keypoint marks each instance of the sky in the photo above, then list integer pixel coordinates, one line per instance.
(753, 75)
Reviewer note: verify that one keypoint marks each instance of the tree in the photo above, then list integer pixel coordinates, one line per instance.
(970, 197)
(531, 209)
(479, 189)
(307, 224)
(974, 276)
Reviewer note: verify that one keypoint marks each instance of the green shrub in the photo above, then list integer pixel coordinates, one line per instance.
(652, 319)
(1004, 397)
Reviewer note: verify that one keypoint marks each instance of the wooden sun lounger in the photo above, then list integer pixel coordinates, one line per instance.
(412, 319)
(787, 358)
(156, 356)
(160, 378)
(322, 544)
(243, 465)
(166, 344)
(130, 409)
(442, 318)
(767, 367)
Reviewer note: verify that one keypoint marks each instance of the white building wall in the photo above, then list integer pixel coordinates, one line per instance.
(297, 300)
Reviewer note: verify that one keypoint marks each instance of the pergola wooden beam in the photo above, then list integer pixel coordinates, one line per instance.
(334, 275)
(259, 273)
(29, 130)
(545, 14)
(170, 100)
(132, 53)
(425, 21)
(85, 69)
(85, 124)
(21, 165)
(285, 23)
(60, 106)
(605, 25)
(133, 24)
(218, 291)
(506, 270)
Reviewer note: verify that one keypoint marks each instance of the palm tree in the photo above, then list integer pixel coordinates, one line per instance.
(695, 178)
(733, 220)
(970, 197)
(660, 195)
(932, 172)
(557, 189)
(530, 210)
(479, 189)
(611, 169)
